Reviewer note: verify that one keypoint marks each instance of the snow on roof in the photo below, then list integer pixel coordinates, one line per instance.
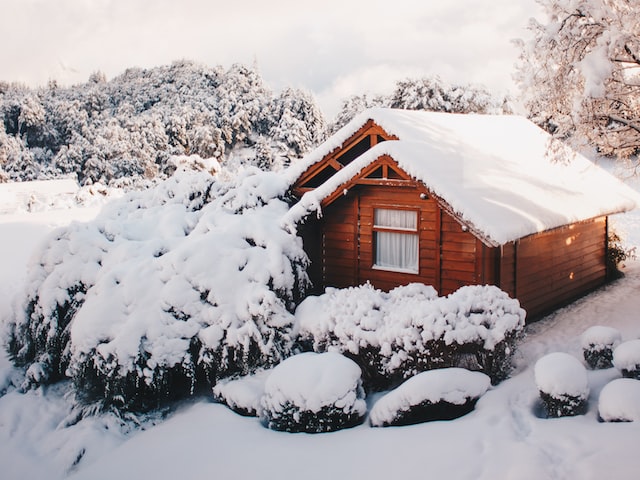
(501, 174)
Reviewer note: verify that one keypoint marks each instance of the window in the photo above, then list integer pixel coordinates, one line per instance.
(395, 235)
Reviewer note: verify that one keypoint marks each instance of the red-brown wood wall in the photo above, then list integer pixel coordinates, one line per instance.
(448, 255)
(543, 271)
(551, 268)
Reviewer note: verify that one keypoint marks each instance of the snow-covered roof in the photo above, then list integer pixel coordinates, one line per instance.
(501, 174)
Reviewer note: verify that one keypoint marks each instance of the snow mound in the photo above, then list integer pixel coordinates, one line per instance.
(563, 384)
(192, 279)
(598, 343)
(620, 401)
(561, 374)
(314, 392)
(242, 395)
(626, 358)
(601, 337)
(410, 329)
(427, 395)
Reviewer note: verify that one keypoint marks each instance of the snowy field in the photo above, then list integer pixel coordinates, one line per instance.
(504, 438)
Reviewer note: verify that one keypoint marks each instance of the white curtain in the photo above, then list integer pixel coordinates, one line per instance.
(396, 250)
(401, 219)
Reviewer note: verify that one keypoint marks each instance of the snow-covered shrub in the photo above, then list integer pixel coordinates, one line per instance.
(442, 394)
(598, 343)
(243, 394)
(620, 401)
(626, 358)
(563, 384)
(314, 393)
(166, 291)
(395, 335)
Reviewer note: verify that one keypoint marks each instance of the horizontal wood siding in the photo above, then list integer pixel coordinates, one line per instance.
(559, 265)
(339, 243)
(428, 218)
(507, 274)
(460, 261)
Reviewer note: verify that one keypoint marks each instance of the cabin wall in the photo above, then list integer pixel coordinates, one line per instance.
(449, 256)
(461, 256)
(372, 197)
(559, 265)
(544, 271)
(339, 243)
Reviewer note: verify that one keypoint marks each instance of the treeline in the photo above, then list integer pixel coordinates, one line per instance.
(428, 93)
(134, 126)
(141, 124)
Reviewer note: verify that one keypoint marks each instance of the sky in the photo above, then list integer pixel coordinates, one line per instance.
(334, 48)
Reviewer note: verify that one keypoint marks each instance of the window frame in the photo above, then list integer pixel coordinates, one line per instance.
(400, 230)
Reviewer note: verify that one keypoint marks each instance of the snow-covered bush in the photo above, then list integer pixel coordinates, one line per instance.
(598, 343)
(166, 291)
(563, 384)
(442, 394)
(243, 394)
(314, 393)
(395, 335)
(626, 358)
(620, 401)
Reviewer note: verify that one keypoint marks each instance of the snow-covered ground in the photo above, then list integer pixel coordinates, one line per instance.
(41, 436)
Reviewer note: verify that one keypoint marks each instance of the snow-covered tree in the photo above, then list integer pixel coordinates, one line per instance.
(167, 291)
(132, 125)
(429, 93)
(580, 73)
(297, 123)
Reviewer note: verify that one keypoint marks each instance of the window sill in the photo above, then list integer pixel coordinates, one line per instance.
(396, 270)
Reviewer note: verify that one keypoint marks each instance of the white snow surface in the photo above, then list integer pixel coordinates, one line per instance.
(244, 393)
(626, 356)
(312, 381)
(600, 337)
(502, 175)
(40, 440)
(452, 385)
(559, 374)
(620, 401)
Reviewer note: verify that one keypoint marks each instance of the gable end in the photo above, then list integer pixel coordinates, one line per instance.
(368, 136)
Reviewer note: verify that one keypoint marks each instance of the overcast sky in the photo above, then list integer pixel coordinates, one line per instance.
(333, 48)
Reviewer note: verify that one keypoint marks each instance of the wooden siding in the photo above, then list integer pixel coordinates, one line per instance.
(507, 269)
(339, 243)
(449, 256)
(372, 197)
(460, 261)
(557, 266)
(544, 271)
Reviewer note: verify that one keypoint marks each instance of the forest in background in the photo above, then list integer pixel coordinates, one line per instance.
(138, 126)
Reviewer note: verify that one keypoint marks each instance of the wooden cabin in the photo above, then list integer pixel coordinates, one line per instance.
(397, 197)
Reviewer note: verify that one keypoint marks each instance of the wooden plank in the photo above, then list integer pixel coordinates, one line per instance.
(454, 265)
(468, 277)
(545, 267)
(459, 256)
(540, 305)
(340, 228)
(340, 262)
(458, 247)
(550, 294)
